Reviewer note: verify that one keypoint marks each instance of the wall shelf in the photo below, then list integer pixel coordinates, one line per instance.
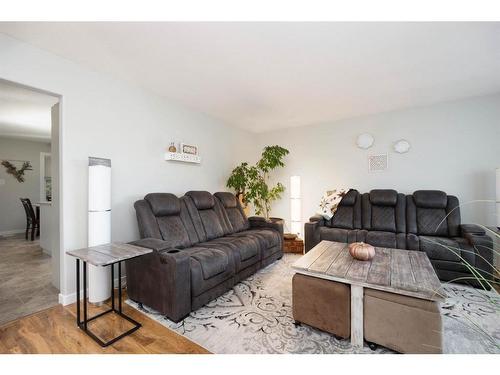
(186, 158)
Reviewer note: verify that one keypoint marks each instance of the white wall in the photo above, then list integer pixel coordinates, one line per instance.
(455, 148)
(107, 118)
(12, 215)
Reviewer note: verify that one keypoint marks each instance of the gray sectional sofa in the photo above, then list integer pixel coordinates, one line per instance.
(427, 220)
(203, 245)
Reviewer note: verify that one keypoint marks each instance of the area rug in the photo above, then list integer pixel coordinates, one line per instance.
(255, 317)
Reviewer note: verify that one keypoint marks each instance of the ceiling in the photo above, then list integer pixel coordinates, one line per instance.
(25, 113)
(267, 76)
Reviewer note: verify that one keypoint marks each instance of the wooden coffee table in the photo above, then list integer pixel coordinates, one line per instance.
(404, 272)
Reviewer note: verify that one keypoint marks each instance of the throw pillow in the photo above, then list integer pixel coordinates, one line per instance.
(330, 201)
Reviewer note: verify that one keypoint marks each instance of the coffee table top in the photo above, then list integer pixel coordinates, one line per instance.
(104, 255)
(398, 271)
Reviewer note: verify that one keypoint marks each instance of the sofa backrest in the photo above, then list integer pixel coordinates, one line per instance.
(233, 212)
(164, 216)
(384, 210)
(433, 213)
(207, 216)
(348, 214)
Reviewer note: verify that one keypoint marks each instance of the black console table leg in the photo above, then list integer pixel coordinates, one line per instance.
(112, 286)
(78, 322)
(85, 295)
(120, 287)
(82, 324)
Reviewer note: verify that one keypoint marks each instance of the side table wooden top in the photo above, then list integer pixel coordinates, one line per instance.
(397, 271)
(104, 255)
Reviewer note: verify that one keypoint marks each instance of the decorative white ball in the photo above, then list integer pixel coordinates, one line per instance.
(365, 141)
(402, 146)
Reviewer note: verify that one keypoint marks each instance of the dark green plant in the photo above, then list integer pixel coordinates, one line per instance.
(253, 181)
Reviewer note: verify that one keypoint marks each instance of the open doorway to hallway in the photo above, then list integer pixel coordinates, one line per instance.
(29, 230)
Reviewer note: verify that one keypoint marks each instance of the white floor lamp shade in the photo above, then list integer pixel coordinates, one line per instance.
(295, 206)
(99, 225)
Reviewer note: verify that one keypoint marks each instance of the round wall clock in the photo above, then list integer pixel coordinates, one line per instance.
(365, 141)
(402, 146)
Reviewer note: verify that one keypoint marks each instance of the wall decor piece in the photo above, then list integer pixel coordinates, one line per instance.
(378, 163)
(186, 158)
(402, 146)
(365, 141)
(17, 173)
(172, 147)
(189, 149)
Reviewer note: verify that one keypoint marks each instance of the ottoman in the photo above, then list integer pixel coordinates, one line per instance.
(404, 324)
(322, 304)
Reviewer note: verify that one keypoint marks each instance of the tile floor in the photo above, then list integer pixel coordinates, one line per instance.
(25, 278)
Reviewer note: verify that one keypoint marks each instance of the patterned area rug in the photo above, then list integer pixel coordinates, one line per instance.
(255, 316)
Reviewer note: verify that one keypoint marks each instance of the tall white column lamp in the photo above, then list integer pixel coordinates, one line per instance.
(295, 206)
(99, 221)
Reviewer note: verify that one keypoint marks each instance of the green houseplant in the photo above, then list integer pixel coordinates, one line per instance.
(251, 182)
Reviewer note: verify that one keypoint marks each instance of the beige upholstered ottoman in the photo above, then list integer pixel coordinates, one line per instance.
(322, 304)
(404, 324)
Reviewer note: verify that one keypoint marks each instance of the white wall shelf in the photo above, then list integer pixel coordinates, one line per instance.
(186, 158)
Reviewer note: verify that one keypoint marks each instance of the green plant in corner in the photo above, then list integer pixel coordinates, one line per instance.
(252, 182)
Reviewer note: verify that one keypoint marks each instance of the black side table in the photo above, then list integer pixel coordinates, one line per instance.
(103, 256)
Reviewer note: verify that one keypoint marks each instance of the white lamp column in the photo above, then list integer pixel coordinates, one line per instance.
(99, 222)
(295, 206)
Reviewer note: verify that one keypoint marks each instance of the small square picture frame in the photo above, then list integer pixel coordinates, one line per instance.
(189, 149)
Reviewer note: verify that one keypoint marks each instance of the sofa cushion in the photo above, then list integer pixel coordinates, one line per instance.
(209, 268)
(338, 234)
(212, 262)
(202, 199)
(432, 221)
(246, 246)
(430, 198)
(348, 212)
(163, 204)
(381, 239)
(267, 237)
(173, 231)
(207, 221)
(384, 210)
(383, 197)
(233, 211)
(440, 248)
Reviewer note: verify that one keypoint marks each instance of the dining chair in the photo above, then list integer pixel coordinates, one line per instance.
(32, 221)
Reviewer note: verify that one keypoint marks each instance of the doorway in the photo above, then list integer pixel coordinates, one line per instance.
(29, 201)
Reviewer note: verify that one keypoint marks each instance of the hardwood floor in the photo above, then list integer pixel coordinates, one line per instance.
(25, 278)
(54, 331)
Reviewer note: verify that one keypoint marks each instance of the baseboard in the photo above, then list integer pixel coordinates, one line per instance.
(68, 299)
(11, 232)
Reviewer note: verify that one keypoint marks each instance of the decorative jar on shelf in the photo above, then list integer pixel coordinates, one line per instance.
(172, 147)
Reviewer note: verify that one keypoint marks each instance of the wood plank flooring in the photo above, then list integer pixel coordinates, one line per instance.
(54, 331)
(25, 278)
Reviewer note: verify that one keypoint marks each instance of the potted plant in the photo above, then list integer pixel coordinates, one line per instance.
(251, 183)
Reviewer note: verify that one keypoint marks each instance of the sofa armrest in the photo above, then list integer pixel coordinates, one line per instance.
(317, 218)
(152, 243)
(472, 229)
(161, 279)
(483, 248)
(262, 222)
(311, 232)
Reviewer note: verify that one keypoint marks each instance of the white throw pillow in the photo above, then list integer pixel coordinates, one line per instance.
(330, 201)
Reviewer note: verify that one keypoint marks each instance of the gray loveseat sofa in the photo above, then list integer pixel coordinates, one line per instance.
(427, 220)
(203, 245)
